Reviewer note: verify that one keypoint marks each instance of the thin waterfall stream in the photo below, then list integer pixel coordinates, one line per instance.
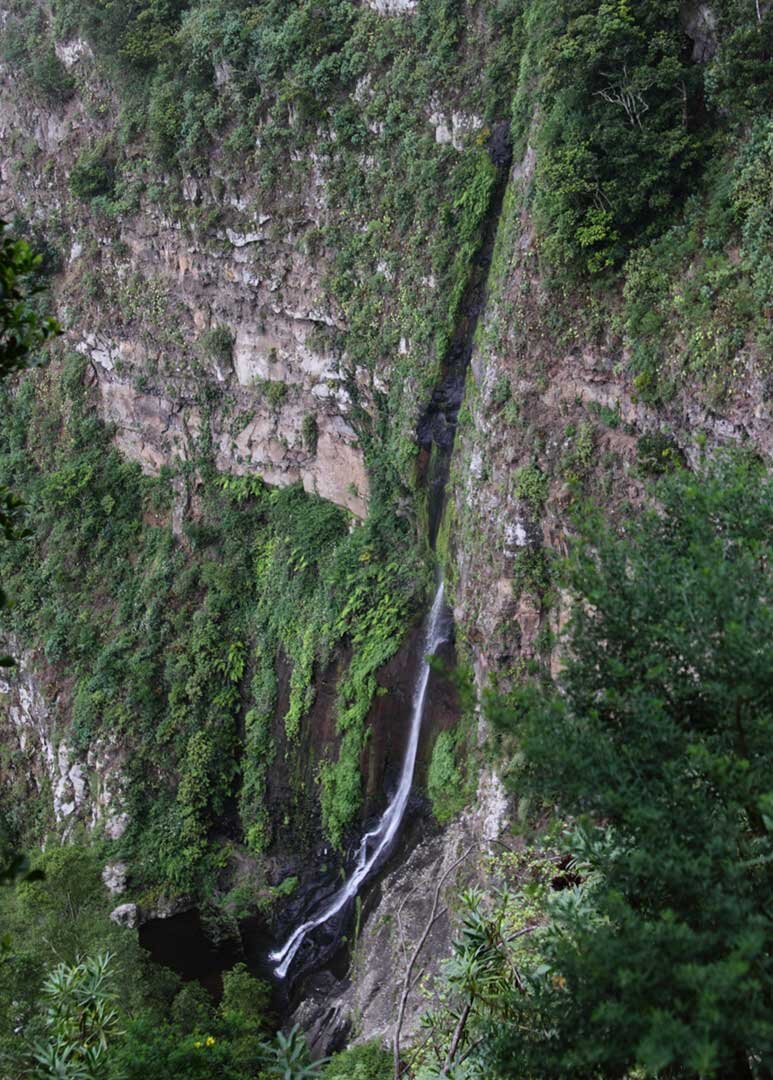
(436, 433)
(376, 844)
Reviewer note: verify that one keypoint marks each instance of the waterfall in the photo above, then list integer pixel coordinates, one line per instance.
(376, 844)
(436, 433)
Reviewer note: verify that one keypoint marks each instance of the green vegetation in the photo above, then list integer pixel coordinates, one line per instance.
(172, 648)
(272, 390)
(695, 299)
(92, 174)
(577, 460)
(81, 1020)
(531, 485)
(23, 330)
(533, 571)
(630, 118)
(27, 45)
(632, 940)
(623, 130)
(79, 999)
(472, 992)
(53, 921)
(653, 959)
(364, 1062)
(310, 433)
(658, 453)
(444, 781)
(651, 190)
(217, 343)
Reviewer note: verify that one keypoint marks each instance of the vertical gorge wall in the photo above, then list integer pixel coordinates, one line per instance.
(267, 247)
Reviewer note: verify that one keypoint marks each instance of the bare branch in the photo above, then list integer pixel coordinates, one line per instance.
(457, 1037)
(408, 981)
(621, 92)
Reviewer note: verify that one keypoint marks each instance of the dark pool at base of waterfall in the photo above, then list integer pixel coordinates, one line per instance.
(180, 942)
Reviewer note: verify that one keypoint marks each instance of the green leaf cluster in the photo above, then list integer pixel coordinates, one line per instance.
(658, 743)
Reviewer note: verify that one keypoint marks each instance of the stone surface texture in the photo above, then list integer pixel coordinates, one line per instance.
(237, 267)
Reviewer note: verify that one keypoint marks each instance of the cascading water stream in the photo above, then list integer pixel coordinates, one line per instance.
(436, 433)
(376, 844)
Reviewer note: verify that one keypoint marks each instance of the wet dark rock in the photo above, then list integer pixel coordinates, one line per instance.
(324, 1014)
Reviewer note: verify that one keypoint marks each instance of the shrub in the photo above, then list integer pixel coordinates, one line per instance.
(369, 1061)
(658, 453)
(501, 393)
(51, 76)
(310, 433)
(445, 785)
(531, 485)
(533, 570)
(245, 996)
(93, 174)
(217, 344)
(273, 391)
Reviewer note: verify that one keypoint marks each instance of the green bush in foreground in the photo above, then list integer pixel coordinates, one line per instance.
(368, 1061)
(659, 959)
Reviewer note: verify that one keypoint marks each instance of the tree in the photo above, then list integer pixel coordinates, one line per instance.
(658, 743)
(245, 997)
(81, 1021)
(22, 328)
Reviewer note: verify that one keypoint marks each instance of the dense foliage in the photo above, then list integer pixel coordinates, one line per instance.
(79, 1000)
(651, 178)
(629, 115)
(172, 644)
(23, 331)
(640, 947)
(659, 745)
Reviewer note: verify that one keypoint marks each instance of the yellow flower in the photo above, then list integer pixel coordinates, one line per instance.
(210, 1041)
(197, 1045)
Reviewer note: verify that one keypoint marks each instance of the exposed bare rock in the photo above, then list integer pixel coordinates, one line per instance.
(393, 7)
(167, 283)
(114, 876)
(455, 128)
(700, 25)
(87, 790)
(324, 1014)
(126, 915)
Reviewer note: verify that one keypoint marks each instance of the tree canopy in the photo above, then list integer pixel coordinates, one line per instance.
(656, 744)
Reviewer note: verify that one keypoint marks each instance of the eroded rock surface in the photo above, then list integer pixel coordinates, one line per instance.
(87, 789)
(220, 324)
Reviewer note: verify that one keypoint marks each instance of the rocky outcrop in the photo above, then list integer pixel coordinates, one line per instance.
(79, 789)
(200, 309)
(364, 1005)
(393, 7)
(126, 915)
(114, 877)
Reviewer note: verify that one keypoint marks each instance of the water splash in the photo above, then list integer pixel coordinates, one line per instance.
(376, 844)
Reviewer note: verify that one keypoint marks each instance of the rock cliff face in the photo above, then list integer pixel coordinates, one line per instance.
(546, 420)
(203, 305)
(220, 324)
(82, 789)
